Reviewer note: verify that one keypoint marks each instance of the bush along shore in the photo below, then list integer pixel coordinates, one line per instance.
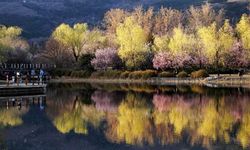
(151, 76)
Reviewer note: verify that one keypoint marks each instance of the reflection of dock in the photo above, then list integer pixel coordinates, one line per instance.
(21, 101)
(22, 89)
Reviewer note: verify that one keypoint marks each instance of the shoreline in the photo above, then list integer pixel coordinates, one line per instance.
(212, 81)
(231, 81)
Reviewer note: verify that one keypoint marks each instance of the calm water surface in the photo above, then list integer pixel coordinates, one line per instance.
(108, 116)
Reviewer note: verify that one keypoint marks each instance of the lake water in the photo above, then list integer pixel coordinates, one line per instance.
(109, 116)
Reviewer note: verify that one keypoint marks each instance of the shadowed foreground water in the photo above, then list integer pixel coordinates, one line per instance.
(108, 116)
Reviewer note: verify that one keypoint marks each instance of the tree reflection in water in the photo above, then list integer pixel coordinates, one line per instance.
(134, 125)
(12, 116)
(9, 118)
(77, 117)
(180, 116)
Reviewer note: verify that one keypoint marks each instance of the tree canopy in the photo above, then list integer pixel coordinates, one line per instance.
(78, 38)
(133, 43)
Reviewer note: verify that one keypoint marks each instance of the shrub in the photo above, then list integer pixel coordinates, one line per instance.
(124, 75)
(112, 74)
(165, 74)
(199, 74)
(67, 72)
(106, 74)
(182, 74)
(80, 74)
(60, 72)
(148, 74)
(143, 74)
(97, 74)
(85, 62)
(135, 75)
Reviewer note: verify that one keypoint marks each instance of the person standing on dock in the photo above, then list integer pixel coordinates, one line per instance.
(7, 79)
(17, 78)
(27, 78)
(13, 78)
(33, 73)
(41, 74)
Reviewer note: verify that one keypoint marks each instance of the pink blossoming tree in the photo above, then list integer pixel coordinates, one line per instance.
(105, 58)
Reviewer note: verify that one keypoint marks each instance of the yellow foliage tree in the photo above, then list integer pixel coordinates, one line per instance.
(209, 38)
(180, 42)
(77, 38)
(216, 42)
(161, 43)
(10, 40)
(133, 43)
(243, 29)
(10, 31)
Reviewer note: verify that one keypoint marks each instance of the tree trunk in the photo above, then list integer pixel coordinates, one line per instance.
(75, 55)
(200, 64)
(217, 63)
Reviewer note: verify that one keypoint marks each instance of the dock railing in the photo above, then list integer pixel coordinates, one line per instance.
(8, 72)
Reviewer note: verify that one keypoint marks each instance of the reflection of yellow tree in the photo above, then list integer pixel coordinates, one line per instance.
(171, 122)
(202, 119)
(244, 132)
(12, 116)
(71, 121)
(216, 123)
(164, 131)
(178, 118)
(243, 135)
(78, 118)
(134, 126)
(206, 123)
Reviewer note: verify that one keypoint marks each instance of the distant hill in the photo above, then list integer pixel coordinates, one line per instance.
(39, 17)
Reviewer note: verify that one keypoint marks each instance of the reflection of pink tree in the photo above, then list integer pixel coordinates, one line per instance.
(238, 104)
(161, 102)
(104, 101)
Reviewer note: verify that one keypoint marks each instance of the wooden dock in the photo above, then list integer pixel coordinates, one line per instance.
(22, 89)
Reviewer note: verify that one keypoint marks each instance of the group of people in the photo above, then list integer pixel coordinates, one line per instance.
(30, 76)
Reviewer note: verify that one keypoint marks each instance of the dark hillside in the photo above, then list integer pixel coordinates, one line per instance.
(39, 17)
